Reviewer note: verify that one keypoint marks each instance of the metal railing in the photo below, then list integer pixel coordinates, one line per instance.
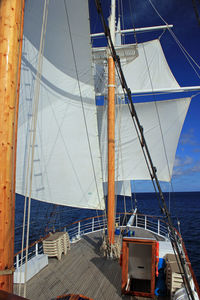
(152, 224)
(94, 224)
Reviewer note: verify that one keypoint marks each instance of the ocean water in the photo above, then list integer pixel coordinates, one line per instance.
(184, 207)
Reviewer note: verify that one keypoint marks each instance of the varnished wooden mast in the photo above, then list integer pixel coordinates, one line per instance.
(11, 19)
(111, 134)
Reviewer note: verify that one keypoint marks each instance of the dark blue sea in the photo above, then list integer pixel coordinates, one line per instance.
(184, 207)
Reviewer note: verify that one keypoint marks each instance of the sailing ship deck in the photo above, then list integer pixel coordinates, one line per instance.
(82, 271)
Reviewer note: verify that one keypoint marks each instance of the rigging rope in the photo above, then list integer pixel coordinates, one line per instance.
(174, 238)
(123, 37)
(184, 51)
(159, 121)
(25, 207)
(134, 31)
(82, 104)
(33, 134)
(187, 55)
(18, 74)
(119, 146)
(196, 10)
(134, 193)
(81, 98)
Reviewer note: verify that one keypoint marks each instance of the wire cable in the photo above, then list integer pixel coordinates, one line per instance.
(175, 239)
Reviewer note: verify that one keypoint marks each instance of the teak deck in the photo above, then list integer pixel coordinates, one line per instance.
(81, 271)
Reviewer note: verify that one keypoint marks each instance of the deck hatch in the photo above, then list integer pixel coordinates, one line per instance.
(138, 266)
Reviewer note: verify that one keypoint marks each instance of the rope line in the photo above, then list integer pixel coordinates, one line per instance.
(33, 127)
(184, 51)
(175, 240)
(81, 97)
(82, 104)
(157, 112)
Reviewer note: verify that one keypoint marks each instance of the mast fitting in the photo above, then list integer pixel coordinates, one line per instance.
(7, 271)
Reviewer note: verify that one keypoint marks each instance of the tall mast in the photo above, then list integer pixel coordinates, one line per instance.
(11, 24)
(111, 133)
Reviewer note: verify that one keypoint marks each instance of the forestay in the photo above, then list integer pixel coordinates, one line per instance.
(162, 122)
(66, 167)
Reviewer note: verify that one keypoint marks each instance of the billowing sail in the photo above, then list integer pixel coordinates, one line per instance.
(144, 66)
(150, 70)
(66, 163)
(162, 122)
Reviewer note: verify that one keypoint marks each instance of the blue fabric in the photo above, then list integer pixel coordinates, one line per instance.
(161, 264)
(128, 233)
(117, 231)
(160, 289)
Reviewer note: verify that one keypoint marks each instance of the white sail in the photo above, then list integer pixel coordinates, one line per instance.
(144, 66)
(149, 70)
(66, 166)
(122, 188)
(162, 122)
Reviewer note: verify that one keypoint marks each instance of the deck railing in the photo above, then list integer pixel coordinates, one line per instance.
(152, 224)
(89, 225)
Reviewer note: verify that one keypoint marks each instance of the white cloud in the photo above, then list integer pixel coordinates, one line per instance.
(186, 169)
(196, 168)
(188, 160)
(188, 138)
(177, 162)
(183, 161)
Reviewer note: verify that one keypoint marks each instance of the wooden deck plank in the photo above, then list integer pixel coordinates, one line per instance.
(81, 271)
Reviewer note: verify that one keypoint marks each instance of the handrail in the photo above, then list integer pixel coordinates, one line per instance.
(33, 244)
(81, 221)
(141, 220)
(189, 264)
(89, 218)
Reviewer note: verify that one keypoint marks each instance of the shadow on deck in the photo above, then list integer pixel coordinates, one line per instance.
(81, 271)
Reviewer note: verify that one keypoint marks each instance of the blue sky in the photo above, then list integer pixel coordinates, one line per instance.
(186, 173)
